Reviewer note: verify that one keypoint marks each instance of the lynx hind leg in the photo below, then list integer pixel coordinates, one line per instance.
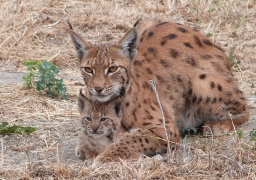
(221, 127)
(132, 145)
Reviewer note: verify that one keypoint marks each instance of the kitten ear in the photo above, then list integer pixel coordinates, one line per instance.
(80, 44)
(129, 43)
(116, 106)
(82, 101)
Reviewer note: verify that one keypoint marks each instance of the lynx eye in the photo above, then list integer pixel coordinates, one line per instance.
(88, 70)
(112, 69)
(103, 119)
(88, 119)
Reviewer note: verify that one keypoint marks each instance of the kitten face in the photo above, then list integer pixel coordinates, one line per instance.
(98, 119)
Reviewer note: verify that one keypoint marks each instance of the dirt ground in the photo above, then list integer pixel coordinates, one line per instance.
(38, 30)
(61, 135)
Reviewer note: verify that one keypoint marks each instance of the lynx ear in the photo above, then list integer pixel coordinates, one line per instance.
(129, 43)
(82, 101)
(80, 44)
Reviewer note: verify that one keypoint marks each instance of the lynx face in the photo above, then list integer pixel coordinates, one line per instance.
(99, 120)
(105, 68)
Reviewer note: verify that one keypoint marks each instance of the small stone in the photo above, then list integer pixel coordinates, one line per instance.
(6, 137)
(43, 136)
(159, 157)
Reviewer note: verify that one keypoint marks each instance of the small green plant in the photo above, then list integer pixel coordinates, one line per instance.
(189, 132)
(42, 77)
(239, 133)
(209, 34)
(29, 79)
(5, 128)
(211, 10)
(253, 134)
(240, 21)
(231, 55)
(232, 58)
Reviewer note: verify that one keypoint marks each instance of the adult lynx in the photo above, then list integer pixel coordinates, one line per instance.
(193, 78)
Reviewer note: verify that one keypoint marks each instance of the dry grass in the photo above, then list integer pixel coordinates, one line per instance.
(38, 30)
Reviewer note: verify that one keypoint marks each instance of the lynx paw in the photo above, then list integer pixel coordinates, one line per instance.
(101, 159)
(82, 152)
(216, 128)
(78, 152)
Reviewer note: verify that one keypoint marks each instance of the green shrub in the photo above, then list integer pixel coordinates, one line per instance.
(5, 128)
(42, 77)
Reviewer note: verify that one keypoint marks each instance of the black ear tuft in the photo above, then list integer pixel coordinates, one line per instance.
(80, 44)
(82, 101)
(129, 44)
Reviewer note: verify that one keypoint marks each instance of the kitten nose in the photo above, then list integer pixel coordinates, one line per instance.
(95, 128)
(98, 89)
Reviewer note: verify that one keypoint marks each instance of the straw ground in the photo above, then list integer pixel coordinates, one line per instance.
(38, 30)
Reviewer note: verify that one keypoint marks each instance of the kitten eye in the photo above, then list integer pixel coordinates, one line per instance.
(88, 70)
(112, 69)
(103, 119)
(88, 119)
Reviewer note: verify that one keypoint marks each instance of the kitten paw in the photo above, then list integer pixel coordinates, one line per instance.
(79, 153)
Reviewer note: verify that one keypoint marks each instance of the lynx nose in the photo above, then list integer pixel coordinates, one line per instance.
(98, 89)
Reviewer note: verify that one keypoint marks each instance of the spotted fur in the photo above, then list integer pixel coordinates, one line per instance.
(193, 78)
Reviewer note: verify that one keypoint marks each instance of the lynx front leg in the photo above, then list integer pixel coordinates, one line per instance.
(132, 145)
(84, 149)
(221, 127)
(83, 152)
